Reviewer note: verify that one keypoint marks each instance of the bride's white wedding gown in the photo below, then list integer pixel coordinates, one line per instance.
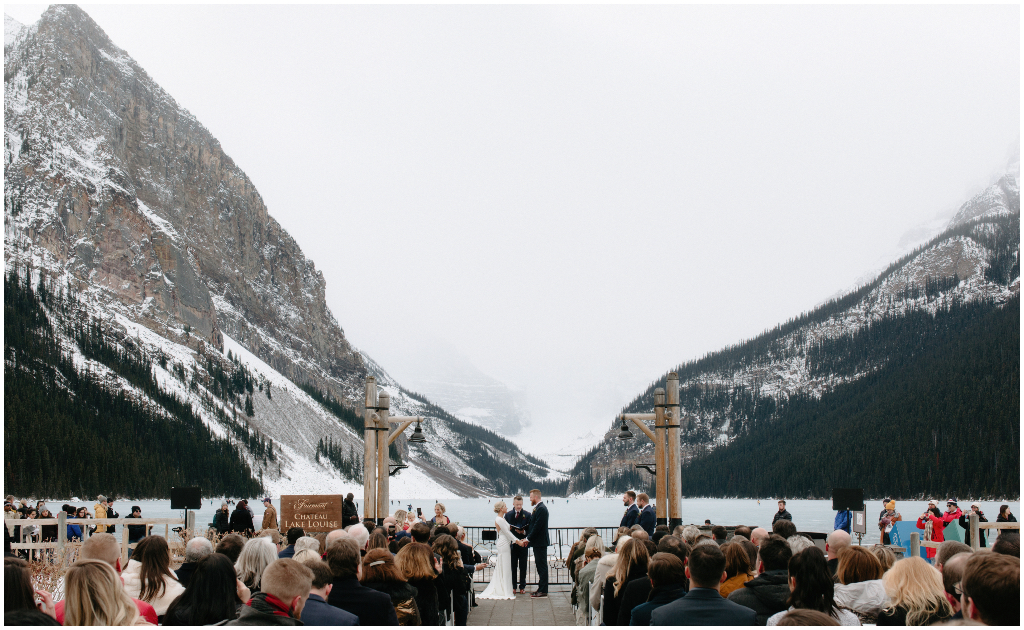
(500, 586)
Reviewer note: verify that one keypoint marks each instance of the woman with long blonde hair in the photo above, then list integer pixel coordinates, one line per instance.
(916, 595)
(631, 565)
(94, 596)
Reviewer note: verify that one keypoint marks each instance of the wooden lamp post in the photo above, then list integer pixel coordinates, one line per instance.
(378, 436)
(666, 416)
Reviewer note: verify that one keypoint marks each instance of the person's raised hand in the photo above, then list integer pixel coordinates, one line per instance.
(242, 591)
(45, 603)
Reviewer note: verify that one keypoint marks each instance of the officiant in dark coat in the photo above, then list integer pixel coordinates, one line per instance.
(518, 520)
(537, 537)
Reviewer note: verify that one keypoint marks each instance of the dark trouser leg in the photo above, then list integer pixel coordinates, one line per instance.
(461, 609)
(520, 559)
(540, 558)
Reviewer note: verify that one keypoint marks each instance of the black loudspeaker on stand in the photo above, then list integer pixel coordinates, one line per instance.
(847, 499)
(186, 498)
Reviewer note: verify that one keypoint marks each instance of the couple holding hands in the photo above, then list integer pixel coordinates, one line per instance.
(523, 530)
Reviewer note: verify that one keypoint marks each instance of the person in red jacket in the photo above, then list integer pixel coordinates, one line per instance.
(934, 523)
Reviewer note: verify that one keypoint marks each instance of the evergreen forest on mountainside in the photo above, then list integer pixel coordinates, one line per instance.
(67, 434)
(941, 418)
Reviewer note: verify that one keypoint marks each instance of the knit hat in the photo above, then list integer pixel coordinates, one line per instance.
(933, 502)
(891, 505)
(976, 505)
(948, 501)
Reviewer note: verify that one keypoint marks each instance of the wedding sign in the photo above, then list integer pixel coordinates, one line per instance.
(311, 512)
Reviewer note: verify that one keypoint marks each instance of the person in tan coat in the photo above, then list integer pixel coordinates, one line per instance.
(270, 515)
(100, 511)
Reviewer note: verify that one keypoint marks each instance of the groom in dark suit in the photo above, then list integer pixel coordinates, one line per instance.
(537, 537)
(518, 520)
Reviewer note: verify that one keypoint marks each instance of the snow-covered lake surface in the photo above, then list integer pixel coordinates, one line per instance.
(808, 515)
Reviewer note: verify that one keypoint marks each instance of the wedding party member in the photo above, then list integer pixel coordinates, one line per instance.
(286, 586)
(518, 520)
(537, 537)
(632, 513)
(148, 575)
(501, 585)
(372, 607)
(648, 517)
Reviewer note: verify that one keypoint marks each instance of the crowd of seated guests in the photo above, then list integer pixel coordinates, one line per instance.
(419, 574)
(781, 577)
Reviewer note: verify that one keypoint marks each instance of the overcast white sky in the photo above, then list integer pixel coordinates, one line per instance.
(578, 198)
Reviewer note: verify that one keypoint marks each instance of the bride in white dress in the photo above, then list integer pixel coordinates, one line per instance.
(500, 586)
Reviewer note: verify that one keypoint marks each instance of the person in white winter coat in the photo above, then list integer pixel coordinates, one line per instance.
(148, 575)
(860, 588)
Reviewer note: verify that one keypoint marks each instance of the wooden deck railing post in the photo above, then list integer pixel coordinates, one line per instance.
(975, 538)
(62, 532)
(915, 545)
(124, 546)
(190, 521)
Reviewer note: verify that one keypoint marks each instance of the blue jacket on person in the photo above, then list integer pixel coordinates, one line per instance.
(74, 531)
(648, 519)
(287, 552)
(843, 520)
(703, 607)
(631, 516)
(317, 612)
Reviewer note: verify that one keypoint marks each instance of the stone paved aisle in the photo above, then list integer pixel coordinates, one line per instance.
(553, 610)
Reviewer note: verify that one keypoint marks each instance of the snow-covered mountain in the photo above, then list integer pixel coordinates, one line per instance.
(975, 258)
(116, 192)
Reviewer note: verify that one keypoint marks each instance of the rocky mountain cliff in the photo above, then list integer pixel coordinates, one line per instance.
(116, 193)
(726, 394)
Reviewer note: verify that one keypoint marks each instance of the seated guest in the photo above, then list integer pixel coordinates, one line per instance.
(806, 617)
(667, 575)
(703, 605)
(148, 575)
(381, 574)
(195, 550)
(886, 556)
(916, 596)
(759, 535)
(799, 542)
(991, 589)
(360, 534)
(307, 542)
(742, 530)
(286, 586)
(737, 568)
(768, 593)
(860, 587)
(333, 535)
(275, 537)
(605, 565)
(105, 548)
(630, 565)
(420, 532)
(835, 543)
(1008, 543)
(812, 587)
(94, 596)
(947, 550)
(419, 566)
(784, 528)
(317, 612)
(377, 540)
(214, 594)
(639, 590)
(20, 595)
(372, 607)
(256, 556)
(304, 555)
(719, 534)
(584, 577)
(294, 534)
(231, 546)
(952, 576)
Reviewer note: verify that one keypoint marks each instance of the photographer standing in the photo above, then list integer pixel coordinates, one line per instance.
(965, 522)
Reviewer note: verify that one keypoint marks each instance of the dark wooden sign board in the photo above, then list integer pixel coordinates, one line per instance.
(311, 512)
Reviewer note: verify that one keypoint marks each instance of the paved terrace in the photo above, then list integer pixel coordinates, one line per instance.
(553, 610)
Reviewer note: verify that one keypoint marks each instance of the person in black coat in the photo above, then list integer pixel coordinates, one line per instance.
(241, 520)
(666, 584)
(965, 522)
(648, 517)
(632, 513)
(768, 593)
(537, 537)
(349, 513)
(703, 605)
(372, 607)
(783, 513)
(633, 559)
(518, 520)
(221, 519)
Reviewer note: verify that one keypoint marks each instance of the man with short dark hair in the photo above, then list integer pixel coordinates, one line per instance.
(284, 588)
(947, 550)
(768, 593)
(537, 537)
(639, 590)
(648, 517)
(743, 530)
(632, 513)
(704, 605)
(783, 513)
(784, 528)
(372, 607)
(518, 520)
(719, 534)
(991, 589)
(294, 534)
(666, 574)
(952, 575)
(1008, 543)
(317, 612)
(231, 546)
(269, 515)
(420, 532)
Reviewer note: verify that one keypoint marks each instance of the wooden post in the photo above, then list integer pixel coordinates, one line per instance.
(673, 418)
(915, 545)
(124, 546)
(383, 428)
(62, 532)
(369, 452)
(190, 522)
(659, 457)
(975, 531)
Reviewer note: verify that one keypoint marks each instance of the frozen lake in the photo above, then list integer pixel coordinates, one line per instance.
(808, 515)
